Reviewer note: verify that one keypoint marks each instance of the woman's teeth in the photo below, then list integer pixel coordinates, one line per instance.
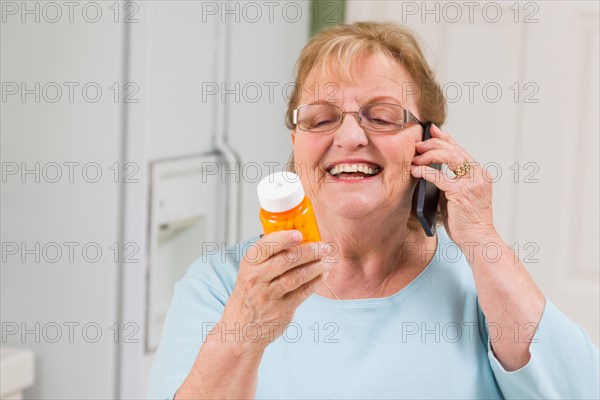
(344, 170)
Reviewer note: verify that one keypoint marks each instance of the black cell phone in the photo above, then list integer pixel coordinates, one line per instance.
(428, 195)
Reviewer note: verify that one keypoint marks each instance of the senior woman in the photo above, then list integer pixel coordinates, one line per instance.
(383, 311)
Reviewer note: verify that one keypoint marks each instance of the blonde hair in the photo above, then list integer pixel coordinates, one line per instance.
(334, 49)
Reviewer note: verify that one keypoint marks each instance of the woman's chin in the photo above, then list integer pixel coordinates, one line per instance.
(352, 208)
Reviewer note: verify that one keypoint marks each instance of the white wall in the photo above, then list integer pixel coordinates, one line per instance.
(550, 51)
(73, 290)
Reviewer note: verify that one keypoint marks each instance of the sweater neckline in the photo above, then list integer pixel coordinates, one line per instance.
(394, 298)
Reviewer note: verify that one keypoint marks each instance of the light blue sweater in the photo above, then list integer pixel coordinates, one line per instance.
(430, 340)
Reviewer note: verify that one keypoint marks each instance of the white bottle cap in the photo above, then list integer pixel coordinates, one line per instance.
(280, 191)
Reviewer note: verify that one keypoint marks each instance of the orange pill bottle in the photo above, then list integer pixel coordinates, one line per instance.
(283, 206)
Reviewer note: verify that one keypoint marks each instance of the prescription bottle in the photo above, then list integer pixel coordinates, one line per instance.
(283, 206)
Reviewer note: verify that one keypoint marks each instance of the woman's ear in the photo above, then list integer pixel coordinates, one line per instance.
(293, 135)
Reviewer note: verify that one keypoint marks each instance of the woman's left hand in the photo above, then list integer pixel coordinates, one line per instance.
(466, 201)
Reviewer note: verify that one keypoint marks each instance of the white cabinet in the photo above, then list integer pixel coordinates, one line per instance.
(184, 214)
(16, 372)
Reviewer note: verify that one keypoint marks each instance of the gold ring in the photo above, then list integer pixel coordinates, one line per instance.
(462, 169)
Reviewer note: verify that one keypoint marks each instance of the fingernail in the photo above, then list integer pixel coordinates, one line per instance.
(297, 236)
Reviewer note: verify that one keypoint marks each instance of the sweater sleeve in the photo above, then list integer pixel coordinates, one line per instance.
(564, 363)
(196, 306)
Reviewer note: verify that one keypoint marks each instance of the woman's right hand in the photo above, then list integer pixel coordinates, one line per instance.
(276, 275)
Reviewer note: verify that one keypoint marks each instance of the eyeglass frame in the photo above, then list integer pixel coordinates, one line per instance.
(409, 117)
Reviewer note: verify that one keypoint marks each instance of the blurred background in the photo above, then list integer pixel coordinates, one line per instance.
(134, 133)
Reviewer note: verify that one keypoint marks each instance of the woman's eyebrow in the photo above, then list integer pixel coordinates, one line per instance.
(323, 101)
(384, 99)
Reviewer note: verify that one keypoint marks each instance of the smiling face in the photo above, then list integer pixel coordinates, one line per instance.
(350, 148)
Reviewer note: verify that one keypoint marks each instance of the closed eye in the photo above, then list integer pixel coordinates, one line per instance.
(382, 120)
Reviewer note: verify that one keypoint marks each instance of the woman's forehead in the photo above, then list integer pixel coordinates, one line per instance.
(364, 78)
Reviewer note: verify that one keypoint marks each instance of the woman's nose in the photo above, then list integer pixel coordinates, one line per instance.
(350, 135)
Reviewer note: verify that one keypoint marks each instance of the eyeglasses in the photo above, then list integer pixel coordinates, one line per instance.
(375, 117)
